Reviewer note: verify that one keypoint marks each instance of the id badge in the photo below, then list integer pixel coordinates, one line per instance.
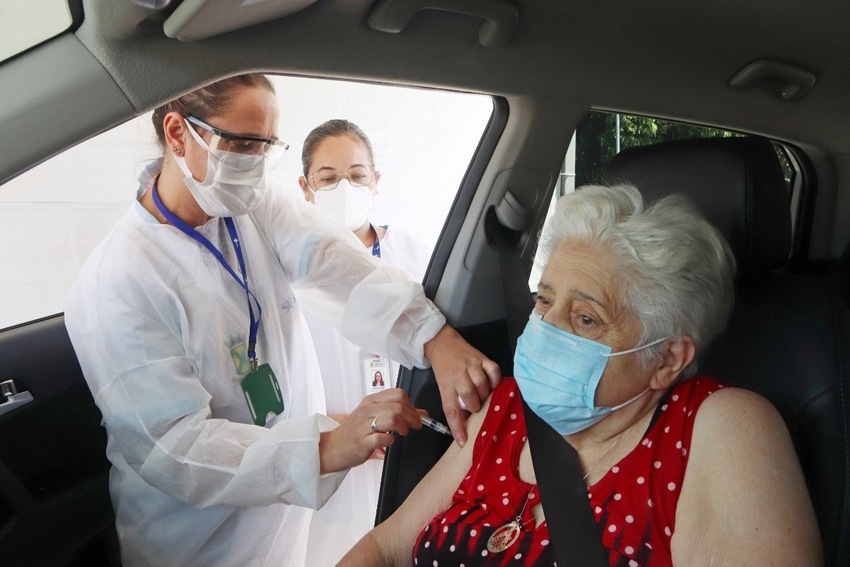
(262, 392)
(376, 373)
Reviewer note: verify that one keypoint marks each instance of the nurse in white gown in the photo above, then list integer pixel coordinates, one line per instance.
(190, 336)
(340, 179)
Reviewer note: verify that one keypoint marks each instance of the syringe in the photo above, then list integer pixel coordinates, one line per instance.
(435, 425)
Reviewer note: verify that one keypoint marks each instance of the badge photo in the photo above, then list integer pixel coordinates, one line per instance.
(376, 374)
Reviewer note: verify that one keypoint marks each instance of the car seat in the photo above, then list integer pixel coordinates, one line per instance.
(840, 276)
(788, 337)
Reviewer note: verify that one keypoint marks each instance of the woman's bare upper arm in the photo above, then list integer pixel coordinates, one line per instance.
(431, 496)
(744, 500)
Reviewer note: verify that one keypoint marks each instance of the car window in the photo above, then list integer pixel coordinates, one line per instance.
(26, 24)
(601, 135)
(57, 212)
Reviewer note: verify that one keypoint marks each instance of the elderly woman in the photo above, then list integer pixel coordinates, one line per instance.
(679, 470)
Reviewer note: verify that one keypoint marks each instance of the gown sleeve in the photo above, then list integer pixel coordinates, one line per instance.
(376, 306)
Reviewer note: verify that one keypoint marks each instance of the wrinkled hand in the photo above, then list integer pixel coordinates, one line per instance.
(463, 373)
(355, 440)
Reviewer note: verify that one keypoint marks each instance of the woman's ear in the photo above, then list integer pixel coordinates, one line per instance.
(377, 178)
(175, 132)
(676, 354)
(308, 195)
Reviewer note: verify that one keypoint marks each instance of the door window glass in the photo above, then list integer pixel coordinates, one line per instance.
(26, 24)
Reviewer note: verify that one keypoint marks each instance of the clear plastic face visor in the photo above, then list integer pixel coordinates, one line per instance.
(239, 152)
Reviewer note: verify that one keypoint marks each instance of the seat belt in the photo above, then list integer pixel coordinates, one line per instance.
(572, 527)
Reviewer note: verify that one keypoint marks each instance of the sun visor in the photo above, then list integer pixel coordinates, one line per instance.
(199, 19)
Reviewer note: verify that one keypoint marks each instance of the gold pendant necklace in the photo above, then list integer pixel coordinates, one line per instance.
(506, 535)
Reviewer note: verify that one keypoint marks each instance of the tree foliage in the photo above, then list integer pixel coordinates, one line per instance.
(596, 139)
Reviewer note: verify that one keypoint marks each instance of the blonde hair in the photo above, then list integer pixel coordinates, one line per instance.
(211, 100)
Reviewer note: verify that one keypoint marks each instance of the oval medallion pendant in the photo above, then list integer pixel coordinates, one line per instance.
(504, 537)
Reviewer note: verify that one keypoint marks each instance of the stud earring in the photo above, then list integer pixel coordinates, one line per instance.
(177, 150)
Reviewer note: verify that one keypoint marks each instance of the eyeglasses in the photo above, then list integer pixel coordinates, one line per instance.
(224, 143)
(327, 178)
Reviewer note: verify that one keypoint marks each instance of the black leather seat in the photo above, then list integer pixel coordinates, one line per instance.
(789, 334)
(840, 275)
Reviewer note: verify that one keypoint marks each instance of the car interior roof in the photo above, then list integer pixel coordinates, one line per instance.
(604, 54)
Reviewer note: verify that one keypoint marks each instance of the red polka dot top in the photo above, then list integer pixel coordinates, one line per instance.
(634, 503)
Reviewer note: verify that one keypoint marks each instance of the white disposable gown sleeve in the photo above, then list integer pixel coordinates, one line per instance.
(376, 306)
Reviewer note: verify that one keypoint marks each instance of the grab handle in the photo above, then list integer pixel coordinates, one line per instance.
(501, 16)
(14, 399)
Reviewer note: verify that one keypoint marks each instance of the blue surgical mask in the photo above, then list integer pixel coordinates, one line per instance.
(558, 373)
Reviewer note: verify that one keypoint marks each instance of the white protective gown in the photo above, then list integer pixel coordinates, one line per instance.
(350, 512)
(153, 318)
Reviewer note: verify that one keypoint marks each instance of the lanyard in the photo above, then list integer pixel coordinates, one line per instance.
(243, 281)
(376, 247)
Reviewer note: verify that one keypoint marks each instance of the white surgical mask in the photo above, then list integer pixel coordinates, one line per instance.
(232, 186)
(349, 205)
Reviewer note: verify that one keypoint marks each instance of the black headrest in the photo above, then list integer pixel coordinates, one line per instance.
(737, 183)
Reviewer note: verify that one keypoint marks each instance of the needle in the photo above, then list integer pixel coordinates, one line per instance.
(435, 425)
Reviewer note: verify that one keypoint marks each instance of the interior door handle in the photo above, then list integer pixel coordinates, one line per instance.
(14, 399)
(501, 17)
